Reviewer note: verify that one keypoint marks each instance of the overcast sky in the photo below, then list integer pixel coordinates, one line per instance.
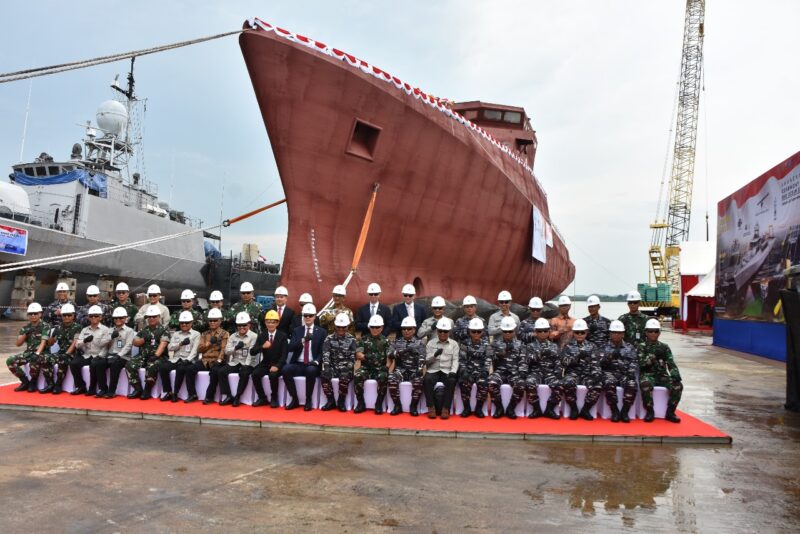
(597, 78)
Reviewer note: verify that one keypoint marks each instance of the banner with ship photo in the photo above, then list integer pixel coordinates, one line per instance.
(757, 239)
(13, 240)
(539, 240)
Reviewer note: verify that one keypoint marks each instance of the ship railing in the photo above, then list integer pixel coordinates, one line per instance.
(43, 219)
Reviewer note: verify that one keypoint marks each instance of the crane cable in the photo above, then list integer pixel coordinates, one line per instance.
(41, 262)
(63, 67)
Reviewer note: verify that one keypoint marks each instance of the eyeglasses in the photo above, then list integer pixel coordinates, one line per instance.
(95, 315)
(213, 320)
(437, 308)
(308, 315)
(34, 313)
(374, 327)
(186, 300)
(214, 301)
(121, 292)
(579, 332)
(503, 301)
(543, 331)
(634, 302)
(373, 294)
(119, 318)
(652, 331)
(65, 314)
(407, 328)
(185, 322)
(407, 295)
(476, 331)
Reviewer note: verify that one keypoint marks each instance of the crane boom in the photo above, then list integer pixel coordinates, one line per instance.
(670, 233)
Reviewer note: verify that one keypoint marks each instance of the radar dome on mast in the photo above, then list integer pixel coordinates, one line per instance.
(112, 118)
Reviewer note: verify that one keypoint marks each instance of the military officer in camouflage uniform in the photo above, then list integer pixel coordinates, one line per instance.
(581, 366)
(92, 346)
(187, 304)
(119, 351)
(328, 315)
(408, 363)
(338, 359)
(598, 325)
(152, 342)
(93, 299)
(122, 300)
(52, 313)
(658, 368)
(214, 302)
(634, 320)
(542, 366)
(526, 331)
(34, 335)
(475, 364)
(461, 327)
(509, 352)
(620, 364)
(373, 352)
(64, 336)
(427, 330)
(246, 304)
(212, 346)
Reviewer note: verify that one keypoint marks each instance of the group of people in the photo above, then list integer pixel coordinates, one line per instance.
(390, 346)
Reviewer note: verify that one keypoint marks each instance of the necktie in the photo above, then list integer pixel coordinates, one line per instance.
(280, 313)
(307, 347)
(371, 313)
(270, 339)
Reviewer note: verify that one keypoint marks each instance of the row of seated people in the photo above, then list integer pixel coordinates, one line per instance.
(312, 353)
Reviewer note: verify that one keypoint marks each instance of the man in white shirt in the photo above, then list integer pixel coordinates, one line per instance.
(92, 344)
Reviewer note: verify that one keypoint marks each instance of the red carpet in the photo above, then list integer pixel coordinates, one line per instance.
(690, 430)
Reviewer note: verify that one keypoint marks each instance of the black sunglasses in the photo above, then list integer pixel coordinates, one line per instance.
(407, 328)
(308, 315)
(407, 295)
(503, 301)
(373, 294)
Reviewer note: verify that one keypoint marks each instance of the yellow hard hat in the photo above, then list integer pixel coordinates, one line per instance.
(272, 315)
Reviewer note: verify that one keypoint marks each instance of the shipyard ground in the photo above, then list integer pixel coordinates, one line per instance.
(77, 473)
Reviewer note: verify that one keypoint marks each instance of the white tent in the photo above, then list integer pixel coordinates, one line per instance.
(697, 257)
(706, 286)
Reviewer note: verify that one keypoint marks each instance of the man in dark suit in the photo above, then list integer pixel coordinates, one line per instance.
(273, 345)
(373, 307)
(285, 313)
(306, 349)
(405, 309)
(297, 320)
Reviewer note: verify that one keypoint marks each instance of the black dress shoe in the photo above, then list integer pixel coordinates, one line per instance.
(227, 402)
(57, 389)
(206, 402)
(78, 391)
(91, 392)
(174, 397)
(100, 394)
(273, 403)
(396, 409)
(190, 398)
(22, 387)
(308, 407)
(165, 397)
(110, 394)
(235, 402)
(261, 401)
(341, 404)
(292, 405)
(47, 389)
(330, 405)
(32, 388)
(136, 393)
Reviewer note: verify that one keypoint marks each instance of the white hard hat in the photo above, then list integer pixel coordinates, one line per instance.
(242, 317)
(443, 324)
(152, 311)
(580, 325)
(34, 307)
(476, 323)
(504, 295)
(92, 290)
(215, 296)
(68, 308)
(652, 324)
(153, 290)
(507, 324)
(634, 296)
(309, 309)
(541, 324)
(616, 326)
(118, 312)
(408, 289)
(535, 303)
(246, 287)
(122, 286)
(593, 300)
(95, 310)
(187, 294)
(438, 302)
(305, 297)
(375, 320)
(185, 317)
(469, 300)
(408, 322)
(342, 319)
(564, 300)
(62, 287)
(215, 313)
(280, 290)
(339, 290)
(373, 288)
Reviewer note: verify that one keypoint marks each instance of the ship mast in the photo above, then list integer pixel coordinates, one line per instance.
(129, 95)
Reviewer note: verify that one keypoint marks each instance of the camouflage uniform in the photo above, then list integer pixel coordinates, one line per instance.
(197, 320)
(598, 330)
(153, 336)
(376, 350)
(657, 368)
(634, 328)
(475, 365)
(253, 308)
(34, 335)
(526, 330)
(409, 361)
(542, 366)
(63, 336)
(620, 365)
(507, 358)
(82, 316)
(326, 319)
(50, 316)
(338, 358)
(581, 366)
(460, 331)
(129, 307)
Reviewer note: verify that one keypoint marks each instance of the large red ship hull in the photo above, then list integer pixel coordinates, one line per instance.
(453, 213)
